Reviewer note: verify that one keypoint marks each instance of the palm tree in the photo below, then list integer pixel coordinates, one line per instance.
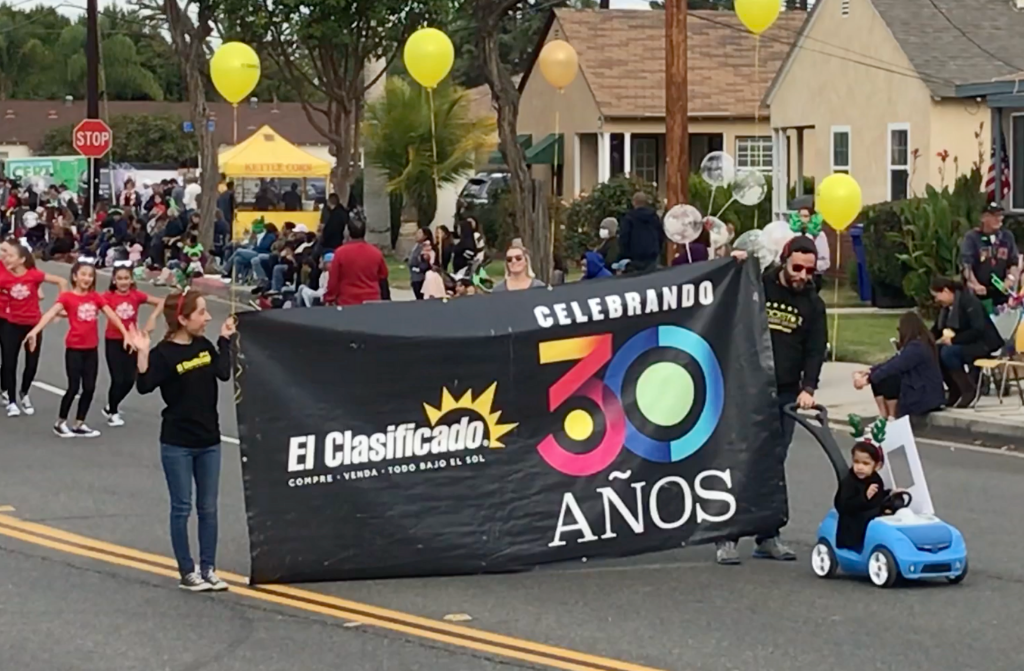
(397, 137)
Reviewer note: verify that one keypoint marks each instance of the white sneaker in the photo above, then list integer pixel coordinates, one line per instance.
(63, 430)
(115, 419)
(26, 406)
(83, 431)
(13, 410)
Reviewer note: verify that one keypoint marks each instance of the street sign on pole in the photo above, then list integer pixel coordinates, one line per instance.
(92, 138)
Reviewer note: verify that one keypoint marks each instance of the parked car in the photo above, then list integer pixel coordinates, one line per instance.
(481, 187)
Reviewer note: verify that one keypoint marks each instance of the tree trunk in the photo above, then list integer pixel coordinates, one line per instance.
(530, 224)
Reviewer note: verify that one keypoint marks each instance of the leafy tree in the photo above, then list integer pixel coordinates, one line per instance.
(398, 139)
(322, 48)
(138, 138)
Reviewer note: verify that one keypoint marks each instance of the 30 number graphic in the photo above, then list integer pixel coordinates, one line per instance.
(663, 395)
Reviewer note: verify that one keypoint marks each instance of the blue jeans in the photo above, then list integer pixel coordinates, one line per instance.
(242, 262)
(277, 281)
(952, 357)
(182, 465)
(258, 267)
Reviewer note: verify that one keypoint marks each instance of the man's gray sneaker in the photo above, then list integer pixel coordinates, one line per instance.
(214, 581)
(193, 582)
(726, 553)
(773, 548)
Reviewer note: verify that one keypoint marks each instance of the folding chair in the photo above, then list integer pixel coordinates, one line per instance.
(1008, 362)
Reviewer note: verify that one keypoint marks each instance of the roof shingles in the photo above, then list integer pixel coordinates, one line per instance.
(957, 41)
(622, 56)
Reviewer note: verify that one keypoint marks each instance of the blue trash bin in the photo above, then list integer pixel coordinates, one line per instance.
(863, 281)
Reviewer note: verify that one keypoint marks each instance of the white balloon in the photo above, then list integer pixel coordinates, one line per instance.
(752, 242)
(683, 224)
(749, 187)
(718, 232)
(30, 220)
(718, 169)
(774, 237)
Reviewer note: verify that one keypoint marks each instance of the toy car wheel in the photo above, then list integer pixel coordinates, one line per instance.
(883, 571)
(823, 560)
(957, 579)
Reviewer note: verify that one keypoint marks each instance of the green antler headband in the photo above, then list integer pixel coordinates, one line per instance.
(877, 436)
(811, 228)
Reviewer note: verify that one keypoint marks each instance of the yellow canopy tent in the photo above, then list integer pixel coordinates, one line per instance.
(267, 155)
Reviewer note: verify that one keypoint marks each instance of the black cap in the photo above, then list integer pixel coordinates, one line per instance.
(994, 208)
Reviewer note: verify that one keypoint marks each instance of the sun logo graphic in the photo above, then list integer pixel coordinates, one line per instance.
(87, 312)
(487, 431)
(20, 292)
(125, 311)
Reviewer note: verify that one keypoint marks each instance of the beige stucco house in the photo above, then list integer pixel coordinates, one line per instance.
(612, 117)
(869, 87)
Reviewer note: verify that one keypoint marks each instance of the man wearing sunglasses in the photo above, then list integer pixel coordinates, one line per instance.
(799, 332)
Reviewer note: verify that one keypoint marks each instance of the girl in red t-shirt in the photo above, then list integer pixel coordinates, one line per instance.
(81, 306)
(124, 298)
(19, 302)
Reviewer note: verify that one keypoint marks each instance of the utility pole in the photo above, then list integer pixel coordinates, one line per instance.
(677, 120)
(92, 90)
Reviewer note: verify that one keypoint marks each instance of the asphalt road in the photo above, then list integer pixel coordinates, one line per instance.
(60, 609)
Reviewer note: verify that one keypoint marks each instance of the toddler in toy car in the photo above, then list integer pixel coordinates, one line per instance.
(862, 496)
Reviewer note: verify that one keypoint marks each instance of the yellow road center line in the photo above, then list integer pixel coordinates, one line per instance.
(6, 509)
(421, 627)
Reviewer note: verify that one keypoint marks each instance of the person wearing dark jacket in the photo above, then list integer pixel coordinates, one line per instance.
(964, 333)
(861, 497)
(799, 333)
(909, 383)
(642, 236)
(334, 220)
(608, 231)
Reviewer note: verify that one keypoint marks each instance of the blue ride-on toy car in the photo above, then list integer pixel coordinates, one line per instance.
(904, 545)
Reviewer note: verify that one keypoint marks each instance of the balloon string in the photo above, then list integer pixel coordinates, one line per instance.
(730, 202)
(835, 294)
(711, 204)
(554, 174)
(238, 337)
(433, 138)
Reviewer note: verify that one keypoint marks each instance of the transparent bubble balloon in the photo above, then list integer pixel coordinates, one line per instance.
(752, 243)
(30, 220)
(749, 187)
(683, 224)
(718, 169)
(718, 232)
(774, 237)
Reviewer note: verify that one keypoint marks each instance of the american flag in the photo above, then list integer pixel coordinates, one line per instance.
(990, 179)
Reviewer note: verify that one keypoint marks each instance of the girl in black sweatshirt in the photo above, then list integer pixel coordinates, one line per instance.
(862, 496)
(186, 367)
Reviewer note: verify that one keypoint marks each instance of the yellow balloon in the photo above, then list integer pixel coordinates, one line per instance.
(235, 69)
(757, 15)
(558, 63)
(838, 200)
(429, 56)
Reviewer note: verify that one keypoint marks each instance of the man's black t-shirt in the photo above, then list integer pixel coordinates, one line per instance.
(797, 323)
(186, 376)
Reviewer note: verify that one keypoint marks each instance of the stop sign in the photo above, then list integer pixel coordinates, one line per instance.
(92, 138)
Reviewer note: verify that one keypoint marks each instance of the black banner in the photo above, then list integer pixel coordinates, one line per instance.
(494, 433)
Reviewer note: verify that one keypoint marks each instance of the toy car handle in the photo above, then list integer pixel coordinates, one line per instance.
(821, 433)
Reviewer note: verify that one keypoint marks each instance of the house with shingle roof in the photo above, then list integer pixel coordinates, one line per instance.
(875, 88)
(611, 119)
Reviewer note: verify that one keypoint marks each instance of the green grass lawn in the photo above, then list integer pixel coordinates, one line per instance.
(863, 338)
(848, 296)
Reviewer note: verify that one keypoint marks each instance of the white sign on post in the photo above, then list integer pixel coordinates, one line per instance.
(901, 451)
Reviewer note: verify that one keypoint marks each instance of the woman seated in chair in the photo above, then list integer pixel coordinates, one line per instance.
(909, 383)
(964, 333)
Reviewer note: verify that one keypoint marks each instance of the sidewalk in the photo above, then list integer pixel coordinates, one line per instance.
(991, 424)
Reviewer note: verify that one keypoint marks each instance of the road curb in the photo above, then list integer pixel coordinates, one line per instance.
(947, 426)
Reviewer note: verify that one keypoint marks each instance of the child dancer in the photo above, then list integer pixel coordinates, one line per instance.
(82, 306)
(124, 299)
(19, 288)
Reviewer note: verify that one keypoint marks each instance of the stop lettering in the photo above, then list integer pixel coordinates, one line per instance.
(92, 138)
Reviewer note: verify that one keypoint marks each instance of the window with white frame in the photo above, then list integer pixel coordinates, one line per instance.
(841, 149)
(1016, 162)
(645, 158)
(898, 161)
(754, 152)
